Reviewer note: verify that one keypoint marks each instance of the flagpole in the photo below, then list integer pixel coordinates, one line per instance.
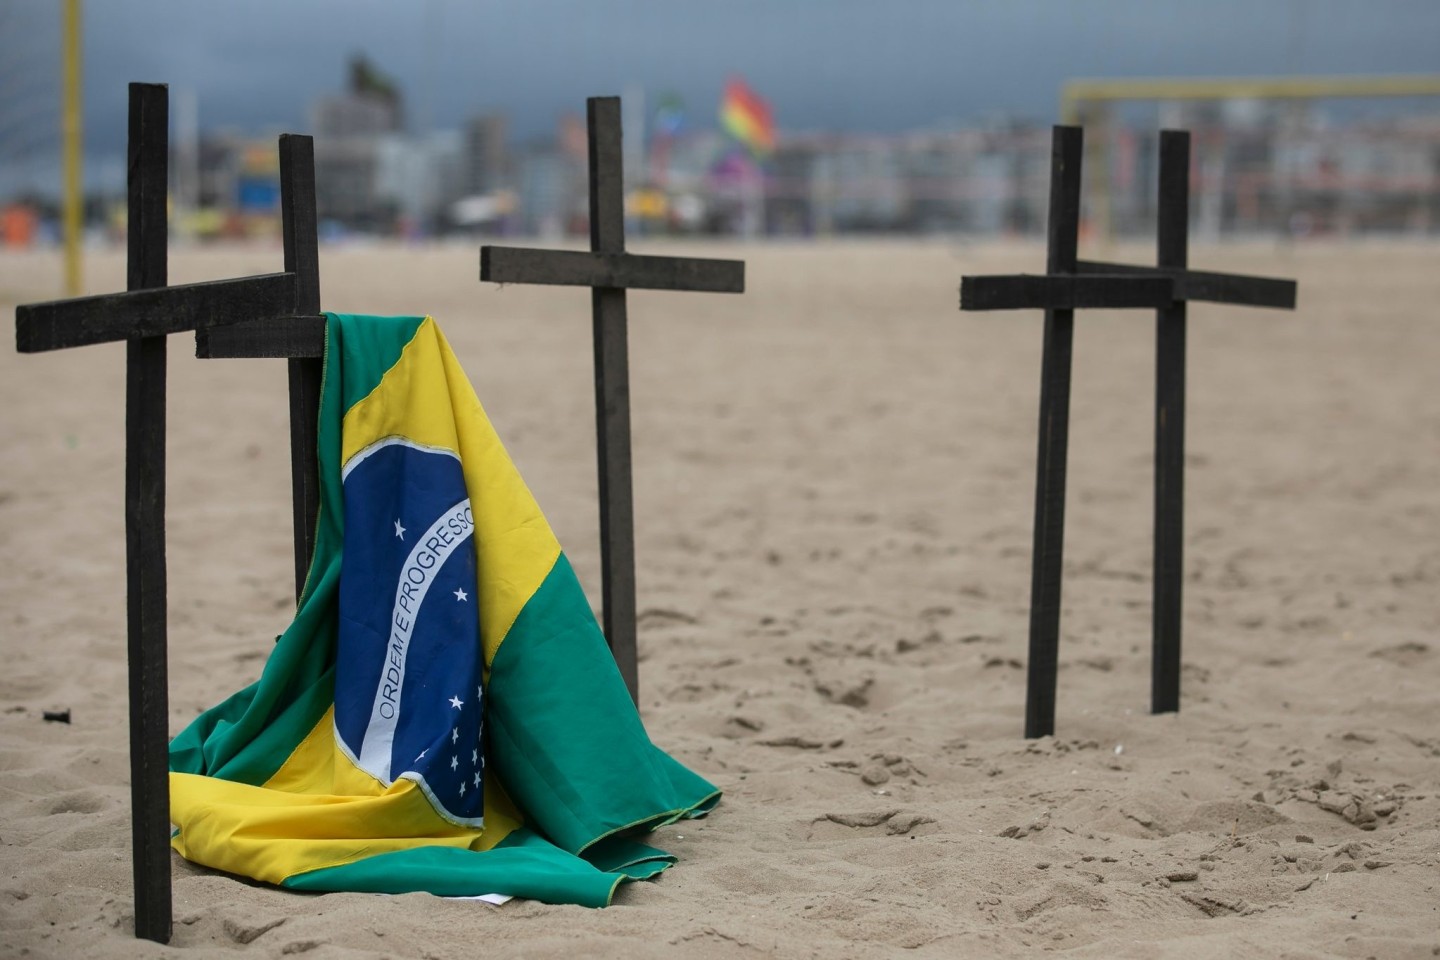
(70, 125)
(755, 201)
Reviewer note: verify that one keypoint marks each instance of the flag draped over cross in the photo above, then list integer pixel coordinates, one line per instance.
(609, 271)
(142, 317)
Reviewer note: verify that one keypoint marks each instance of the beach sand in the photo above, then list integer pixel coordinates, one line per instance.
(834, 482)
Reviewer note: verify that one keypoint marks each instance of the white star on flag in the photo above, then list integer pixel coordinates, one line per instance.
(462, 788)
(422, 754)
(399, 530)
(454, 734)
(477, 779)
(474, 756)
(456, 702)
(454, 762)
(460, 594)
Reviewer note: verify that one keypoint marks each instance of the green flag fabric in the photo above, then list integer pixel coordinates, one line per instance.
(442, 714)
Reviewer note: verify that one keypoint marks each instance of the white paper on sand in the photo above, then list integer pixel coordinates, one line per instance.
(495, 898)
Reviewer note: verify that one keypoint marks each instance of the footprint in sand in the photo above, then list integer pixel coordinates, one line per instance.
(247, 931)
(802, 743)
(892, 822)
(661, 617)
(78, 801)
(846, 692)
(1402, 654)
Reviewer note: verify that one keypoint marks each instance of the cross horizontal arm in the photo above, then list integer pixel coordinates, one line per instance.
(57, 324)
(1064, 292)
(615, 270)
(1233, 288)
(292, 337)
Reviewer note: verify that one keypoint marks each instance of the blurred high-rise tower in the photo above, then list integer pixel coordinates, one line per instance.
(349, 128)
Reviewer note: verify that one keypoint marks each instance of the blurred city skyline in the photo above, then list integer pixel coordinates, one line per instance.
(834, 65)
(921, 116)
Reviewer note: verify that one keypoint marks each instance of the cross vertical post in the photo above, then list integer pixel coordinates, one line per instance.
(609, 271)
(1049, 540)
(612, 393)
(299, 337)
(1172, 260)
(302, 258)
(143, 316)
(1172, 243)
(146, 267)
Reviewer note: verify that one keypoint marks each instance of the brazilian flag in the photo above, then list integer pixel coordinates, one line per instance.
(443, 714)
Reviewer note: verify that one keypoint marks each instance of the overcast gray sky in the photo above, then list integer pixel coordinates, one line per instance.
(874, 65)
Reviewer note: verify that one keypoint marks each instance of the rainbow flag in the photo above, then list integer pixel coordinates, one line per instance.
(745, 115)
(442, 714)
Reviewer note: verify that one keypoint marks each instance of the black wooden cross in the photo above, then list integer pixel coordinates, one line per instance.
(300, 338)
(1088, 283)
(1172, 255)
(1060, 292)
(609, 271)
(142, 317)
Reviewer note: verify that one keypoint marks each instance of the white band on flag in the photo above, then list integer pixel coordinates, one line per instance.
(429, 554)
(379, 445)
